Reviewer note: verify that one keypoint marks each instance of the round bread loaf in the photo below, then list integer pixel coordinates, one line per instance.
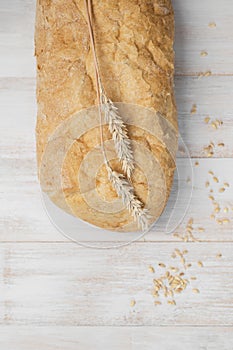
(134, 44)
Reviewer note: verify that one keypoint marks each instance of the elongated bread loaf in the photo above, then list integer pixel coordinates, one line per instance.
(134, 44)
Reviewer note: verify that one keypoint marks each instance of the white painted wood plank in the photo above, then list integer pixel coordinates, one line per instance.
(213, 97)
(192, 36)
(17, 38)
(24, 219)
(115, 338)
(63, 284)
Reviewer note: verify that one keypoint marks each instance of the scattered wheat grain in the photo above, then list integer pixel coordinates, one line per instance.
(204, 53)
(162, 265)
(182, 260)
(221, 190)
(151, 269)
(205, 74)
(132, 303)
(212, 25)
(195, 290)
(193, 109)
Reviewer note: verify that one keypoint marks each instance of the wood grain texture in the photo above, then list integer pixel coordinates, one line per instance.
(64, 284)
(115, 338)
(192, 36)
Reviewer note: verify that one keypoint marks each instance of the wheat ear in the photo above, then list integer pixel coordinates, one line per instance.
(121, 140)
(125, 191)
(120, 136)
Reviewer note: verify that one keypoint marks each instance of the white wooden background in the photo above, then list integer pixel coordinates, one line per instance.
(57, 295)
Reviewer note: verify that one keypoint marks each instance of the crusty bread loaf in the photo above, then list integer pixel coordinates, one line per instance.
(134, 43)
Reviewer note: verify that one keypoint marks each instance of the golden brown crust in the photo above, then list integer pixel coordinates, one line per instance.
(134, 40)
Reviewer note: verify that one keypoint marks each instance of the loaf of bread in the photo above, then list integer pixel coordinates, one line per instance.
(134, 44)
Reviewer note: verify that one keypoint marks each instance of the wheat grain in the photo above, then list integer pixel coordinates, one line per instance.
(205, 74)
(193, 109)
(212, 25)
(195, 290)
(151, 269)
(221, 190)
(204, 53)
(132, 303)
(162, 265)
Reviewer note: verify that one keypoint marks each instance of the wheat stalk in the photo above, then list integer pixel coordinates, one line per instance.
(121, 140)
(119, 133)
(125, 191)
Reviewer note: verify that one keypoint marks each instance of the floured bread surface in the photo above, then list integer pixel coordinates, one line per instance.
(134, 42)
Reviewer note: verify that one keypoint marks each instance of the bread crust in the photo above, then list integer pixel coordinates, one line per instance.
(134, 43)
